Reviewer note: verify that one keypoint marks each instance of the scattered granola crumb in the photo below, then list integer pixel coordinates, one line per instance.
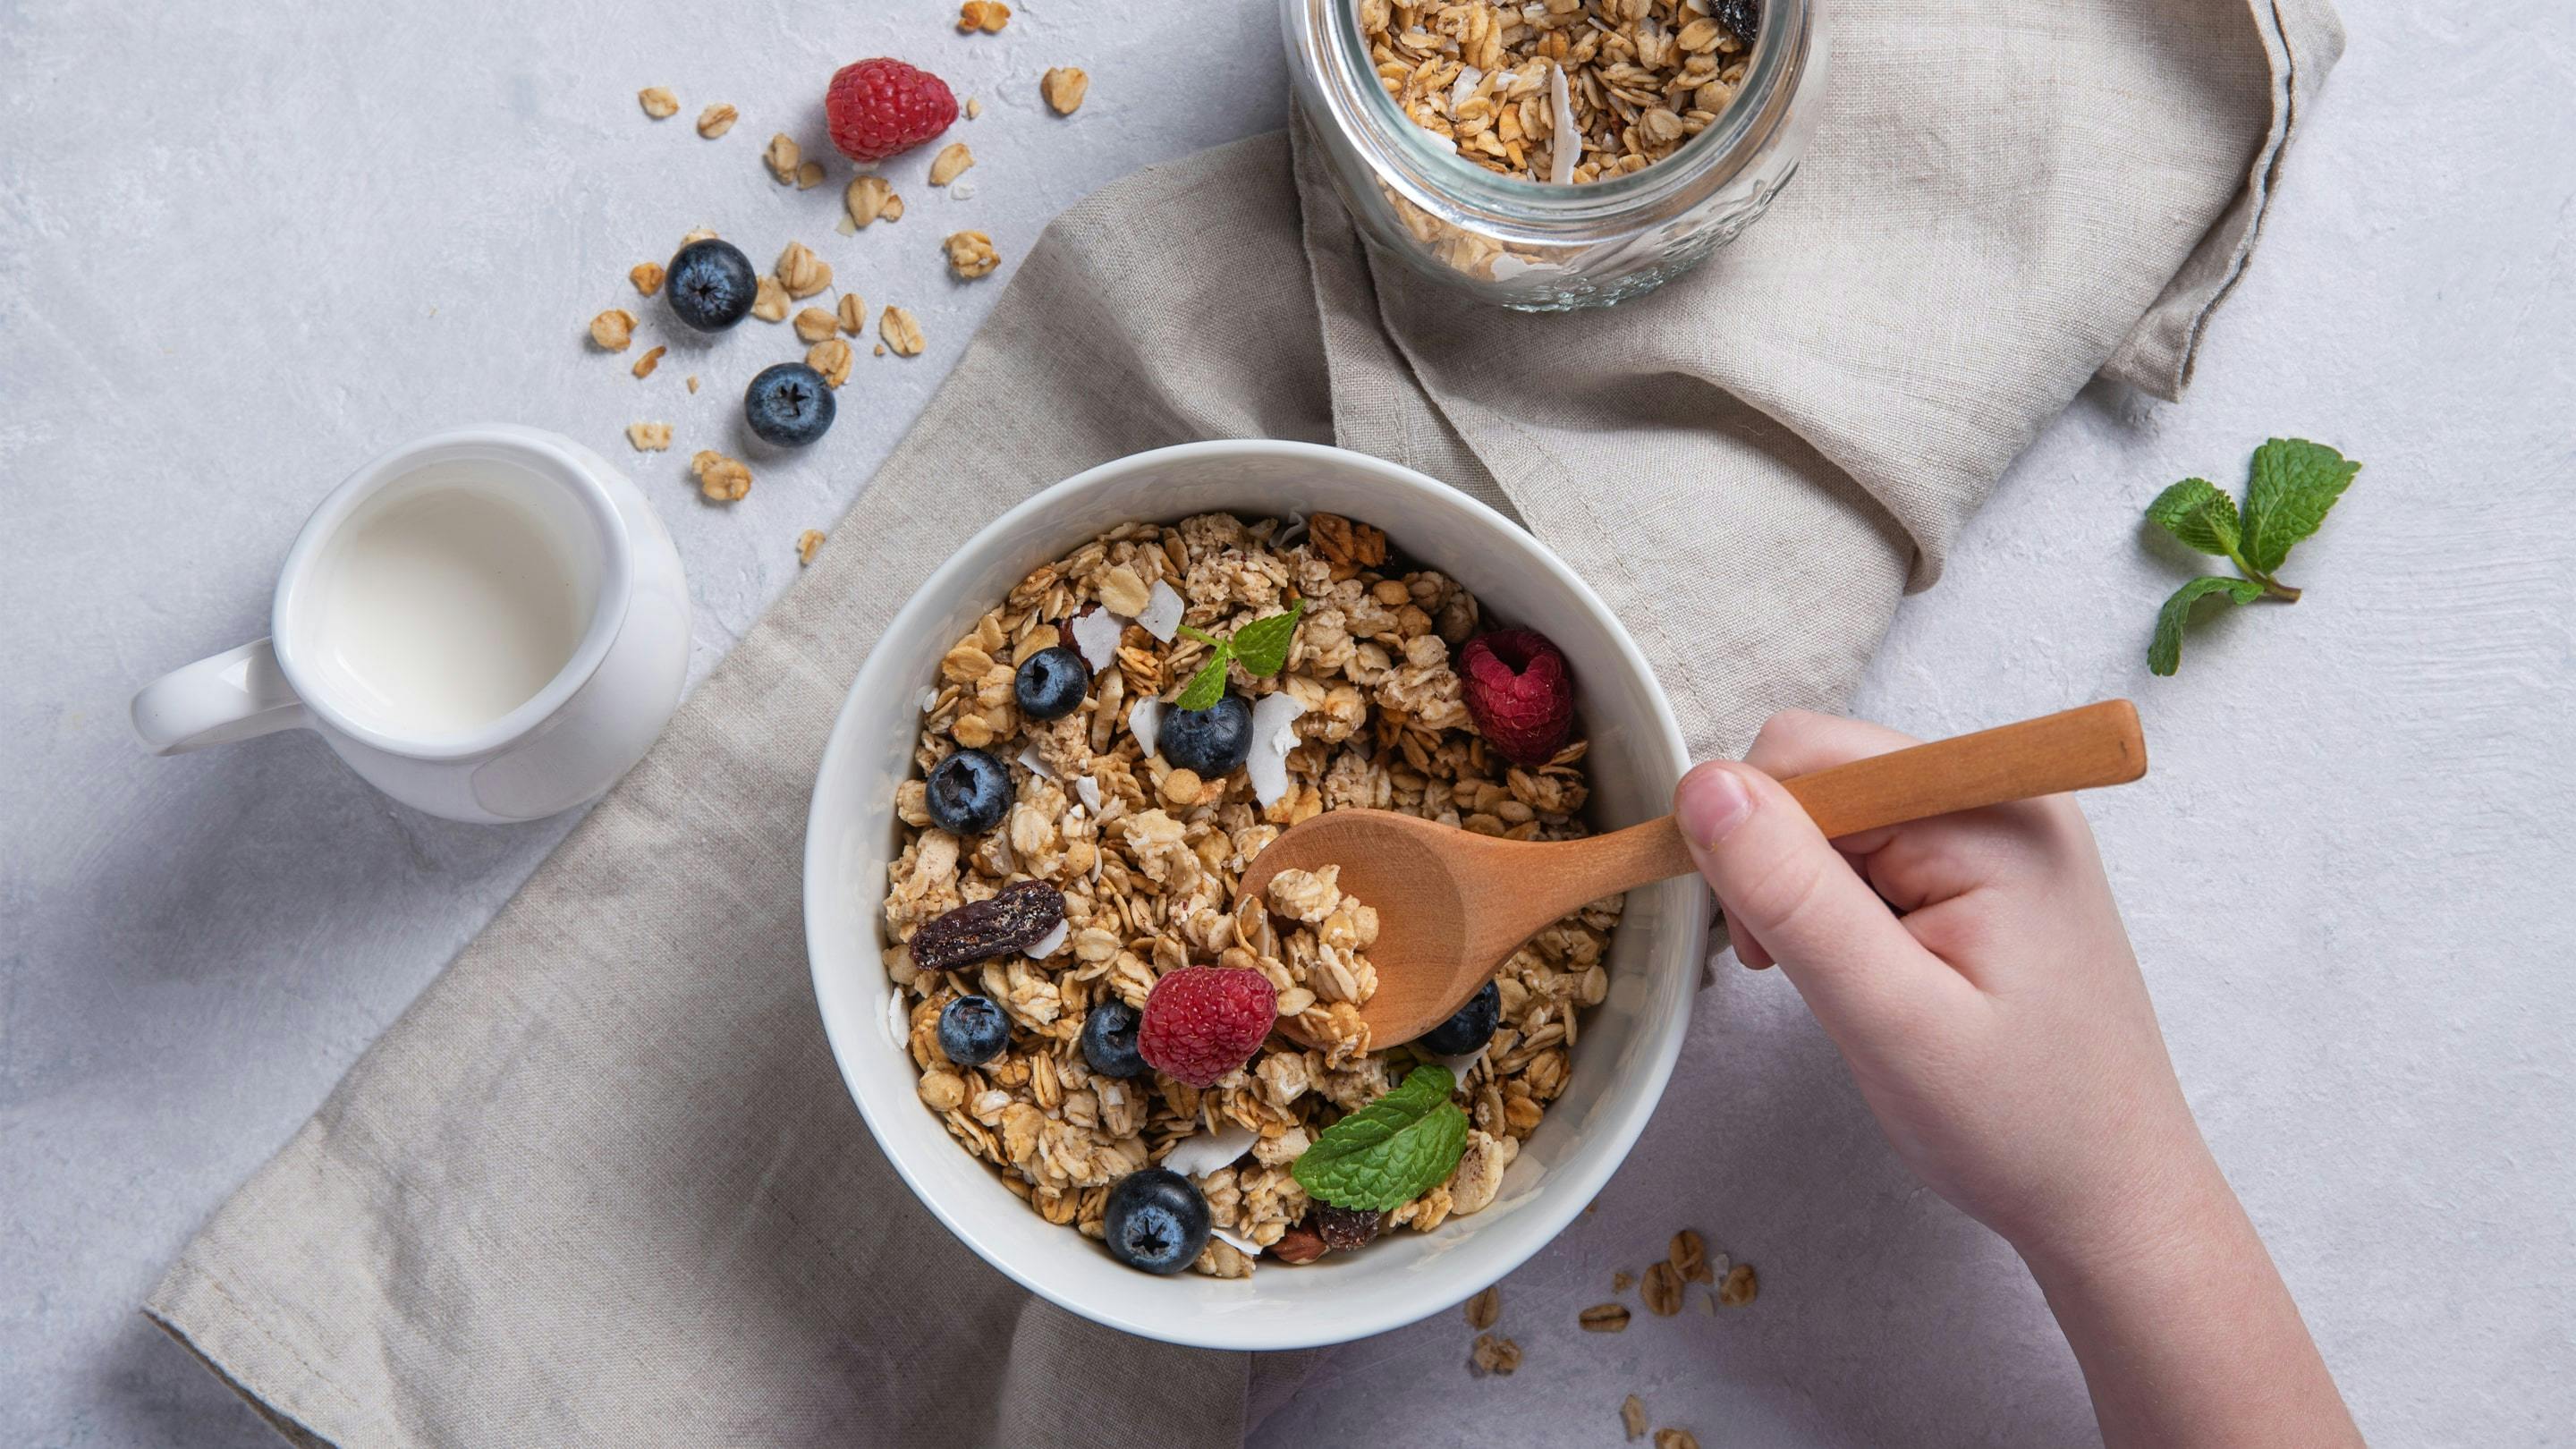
(704, 233)
(649, 437)
(854, 314)
(988, 16)
(644, 365)
(971, 254)
(783, 155)
(1689, 1257)
(845, 226)
(693, 382)
(900, 331)
(1675, 1439)
(1739, 1287)
(806, 542)
(717, 119)
(893, 209)
(880, 349)
(814, 324)
(1621, 1282)
(809, 175)
(1632, 1417)
(720, 479)
(769, 303)
(830, 357)
(1603, 1318)
(802, 272)
(865, 198)
(950, 163)
(1064, 87)
(613, 329)
(647, 277)
(974, 108)
(1485, 1307)
(1662, 1290)
(1492, 1355)
(658, 102)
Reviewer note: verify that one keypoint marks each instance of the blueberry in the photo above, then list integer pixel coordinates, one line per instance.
(1051, 683)
(973, 1031)
(1471, 1028)
(711, 285)
(970, 791)
(789, 404)
(1109, 1040)
(1155, 1221)
(1211, 742)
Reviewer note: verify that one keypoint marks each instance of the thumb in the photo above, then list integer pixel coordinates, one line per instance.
(1785, 885)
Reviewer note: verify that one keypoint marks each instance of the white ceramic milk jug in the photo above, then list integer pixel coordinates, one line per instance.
(489, 624)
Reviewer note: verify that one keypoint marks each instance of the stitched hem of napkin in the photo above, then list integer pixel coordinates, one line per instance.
(2301, 41)
(204, 1317)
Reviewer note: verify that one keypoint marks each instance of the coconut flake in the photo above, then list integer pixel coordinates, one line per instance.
(1568, 144)
(1089, 789)
(1095, 637)
(1245, 1246)
(1161, 616)
(1029, 760)
(1145, 722)
(1293, 534)
(1468, 76)
(929, 700)
(898, 1023)
(1198, 1156)
(1053, 941)
(1274, 734)
(1459, 1067)
(962, 190)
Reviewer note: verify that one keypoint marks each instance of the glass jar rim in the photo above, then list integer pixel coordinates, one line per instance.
(1431, 162)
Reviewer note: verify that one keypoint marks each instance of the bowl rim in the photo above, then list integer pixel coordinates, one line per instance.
(1624, 1121)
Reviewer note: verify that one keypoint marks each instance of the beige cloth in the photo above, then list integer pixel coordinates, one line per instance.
(601, 1186)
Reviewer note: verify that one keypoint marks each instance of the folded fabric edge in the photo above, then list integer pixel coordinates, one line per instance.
(168, 1321)
(2302, 40)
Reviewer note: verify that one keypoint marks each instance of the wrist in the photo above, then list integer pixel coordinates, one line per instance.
(2164, 1216)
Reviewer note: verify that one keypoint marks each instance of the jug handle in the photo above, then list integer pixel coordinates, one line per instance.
(232, 696)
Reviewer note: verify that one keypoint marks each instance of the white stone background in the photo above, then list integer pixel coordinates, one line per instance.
(243, 246)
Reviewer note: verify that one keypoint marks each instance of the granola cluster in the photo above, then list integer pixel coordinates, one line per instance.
(1148, 857)
(1506, 83)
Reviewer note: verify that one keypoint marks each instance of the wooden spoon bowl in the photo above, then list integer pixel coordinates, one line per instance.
(1453, 905)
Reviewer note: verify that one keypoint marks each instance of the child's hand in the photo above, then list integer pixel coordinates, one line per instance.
(1995, 1019)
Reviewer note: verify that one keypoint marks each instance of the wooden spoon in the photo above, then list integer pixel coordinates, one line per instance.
(1452, 905)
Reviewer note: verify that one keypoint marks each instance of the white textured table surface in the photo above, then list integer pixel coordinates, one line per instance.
(241, 248)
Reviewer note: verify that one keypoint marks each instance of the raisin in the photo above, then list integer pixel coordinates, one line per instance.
(1346, 1228)
(1017, 918)
(1744, 17)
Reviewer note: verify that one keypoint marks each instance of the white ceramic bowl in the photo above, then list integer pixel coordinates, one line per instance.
(1629, 1042)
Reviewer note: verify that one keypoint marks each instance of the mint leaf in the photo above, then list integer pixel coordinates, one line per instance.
(1187, 631)
(2295, 483)
(1262, 645)
(1208, 685)
(2197, 512)
(2164, 656)
(1391, 1151)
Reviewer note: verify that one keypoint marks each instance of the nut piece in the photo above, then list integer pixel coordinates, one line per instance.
(1016, 917)
(649, 437)
(814, 324)
(1675, 1439)
(854, 314)
(1662, 1290)
(783, 155)
(1603, 1318)
(988, 16)
(806, 543)
(647, 277)
(769, 303)
(971, 254)
(658, 102)
(1690, 1258)
(802, 272)
(900, 332)
(1299, 1245)
(613, 329)
(1632, 1417)
(717, 119)
(950, 163)
(865, 198)
(830, 357)
(1064, 87)
(1485, 1308)
(1343, 542)
(644, 365)
(1739, 1287)
(809, 175)
(1492, 1355)
(721, 479)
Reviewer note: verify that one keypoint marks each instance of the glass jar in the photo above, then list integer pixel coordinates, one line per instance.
(1528, 244)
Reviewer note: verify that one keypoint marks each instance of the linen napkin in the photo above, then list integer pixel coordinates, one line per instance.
(601, 1184)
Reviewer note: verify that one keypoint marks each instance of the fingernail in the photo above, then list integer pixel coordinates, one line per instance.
(1713, 802)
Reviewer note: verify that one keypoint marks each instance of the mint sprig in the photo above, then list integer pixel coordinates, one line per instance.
(1260, 646)
(1391, 1151)
(2294, 484)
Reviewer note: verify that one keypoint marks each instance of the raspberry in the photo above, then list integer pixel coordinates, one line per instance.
(1202, 1022)
(881, 106)
(1520, 692)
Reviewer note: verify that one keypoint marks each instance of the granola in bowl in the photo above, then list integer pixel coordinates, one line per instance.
(1090, 1007)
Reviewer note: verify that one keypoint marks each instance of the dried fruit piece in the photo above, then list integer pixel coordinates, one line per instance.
(644, 365)
(1064, 87)
(814, 324)
(1485, 1308)
(647, 277)
(1603, 1318)
(1744, 17)
(971, 254)
(901, 332)
(1662, 1290)
(1019, 916)
(1347, 1228)
(1739, 1287)
(717, 119)
(720, 479)
(613, 329)
(658, 102)
(951, 162)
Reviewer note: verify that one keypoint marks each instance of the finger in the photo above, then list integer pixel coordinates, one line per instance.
(1800, 742)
